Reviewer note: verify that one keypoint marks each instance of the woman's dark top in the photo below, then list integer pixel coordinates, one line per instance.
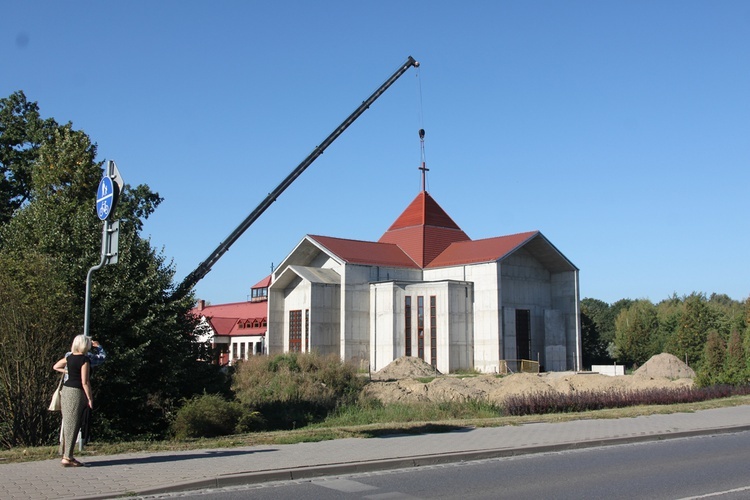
(75, 365)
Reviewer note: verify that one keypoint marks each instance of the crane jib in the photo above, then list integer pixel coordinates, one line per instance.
(204, 267)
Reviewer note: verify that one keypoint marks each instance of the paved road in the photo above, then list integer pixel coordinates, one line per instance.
(149, 473)
(712, 467)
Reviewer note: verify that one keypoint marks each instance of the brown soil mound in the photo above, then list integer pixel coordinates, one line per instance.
(666, 366)
(397, 382)
(406, 367)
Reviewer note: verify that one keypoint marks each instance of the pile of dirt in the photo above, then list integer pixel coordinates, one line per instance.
(406, 367)
(397, 382)
(666, 366)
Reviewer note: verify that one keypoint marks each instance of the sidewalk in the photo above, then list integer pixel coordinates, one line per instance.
(150, 473)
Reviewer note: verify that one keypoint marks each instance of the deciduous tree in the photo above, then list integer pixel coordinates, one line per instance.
(696, 320)
(22, 132)
(635, 327)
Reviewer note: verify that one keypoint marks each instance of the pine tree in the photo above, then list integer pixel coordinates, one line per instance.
(712, 366)
(734, 367)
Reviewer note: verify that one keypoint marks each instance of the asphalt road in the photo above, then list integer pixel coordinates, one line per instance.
(714, 466)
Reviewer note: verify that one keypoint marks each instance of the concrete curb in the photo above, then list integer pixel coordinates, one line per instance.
(298, 473)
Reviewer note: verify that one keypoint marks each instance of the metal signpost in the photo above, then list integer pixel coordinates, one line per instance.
(106, 199)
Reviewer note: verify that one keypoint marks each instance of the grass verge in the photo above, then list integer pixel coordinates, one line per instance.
(373, 423)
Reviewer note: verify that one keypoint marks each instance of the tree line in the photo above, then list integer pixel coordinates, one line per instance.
(49, 238)
(711, 334)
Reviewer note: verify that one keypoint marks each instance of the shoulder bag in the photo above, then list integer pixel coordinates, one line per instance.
(55, 404)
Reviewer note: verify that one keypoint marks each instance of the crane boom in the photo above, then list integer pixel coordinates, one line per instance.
(204, 267)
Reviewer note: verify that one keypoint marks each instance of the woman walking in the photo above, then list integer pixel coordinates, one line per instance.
(75, 396)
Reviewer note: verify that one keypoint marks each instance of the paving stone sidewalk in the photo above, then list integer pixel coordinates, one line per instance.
(150, 473)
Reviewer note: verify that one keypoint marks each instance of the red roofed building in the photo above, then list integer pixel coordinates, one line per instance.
(237, 330)
(426, 289)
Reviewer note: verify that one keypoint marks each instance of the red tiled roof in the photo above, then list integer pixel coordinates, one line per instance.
(423, 230)
(264, 283)
(424, 211)
(486, 250)
(235, 327)
(222, 326)
(234, 318)
(365, 252)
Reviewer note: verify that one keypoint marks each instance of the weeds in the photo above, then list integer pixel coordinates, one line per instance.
(540, 403)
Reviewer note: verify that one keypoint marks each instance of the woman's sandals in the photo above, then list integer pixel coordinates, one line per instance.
(71, 462)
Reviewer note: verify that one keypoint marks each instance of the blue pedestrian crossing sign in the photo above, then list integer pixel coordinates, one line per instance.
(105, 198)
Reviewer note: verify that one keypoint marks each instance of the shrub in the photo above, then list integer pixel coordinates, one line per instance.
(250, 421)
(208, 415)
(293, 389)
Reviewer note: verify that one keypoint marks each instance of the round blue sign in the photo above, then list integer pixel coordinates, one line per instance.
(105, 196)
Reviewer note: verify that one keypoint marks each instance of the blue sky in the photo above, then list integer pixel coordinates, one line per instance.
(620, 130)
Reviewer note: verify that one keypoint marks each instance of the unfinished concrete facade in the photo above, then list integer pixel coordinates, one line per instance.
(426, 289)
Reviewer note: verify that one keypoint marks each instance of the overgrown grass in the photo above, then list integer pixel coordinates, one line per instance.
(375, 413)
(383, 422)
(293, 390)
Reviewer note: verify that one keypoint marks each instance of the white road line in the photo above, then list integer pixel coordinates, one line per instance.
(718, 493)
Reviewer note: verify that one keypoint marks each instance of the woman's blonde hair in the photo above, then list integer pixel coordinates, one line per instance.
(81, 344)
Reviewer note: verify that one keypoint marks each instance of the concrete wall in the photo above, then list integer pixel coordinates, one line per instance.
(386, 324)
(297, 296)
(486, 313)
(321, 300)
(565, 299)
(555, 352)
(460, 317)
(325, 317)
(355, 314)
(525, 285)
(276, 321)
(610, 370)
(355, 307)
(454, 323)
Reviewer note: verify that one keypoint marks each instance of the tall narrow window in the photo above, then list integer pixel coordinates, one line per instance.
(307, 330)
(420, 327)
(295, 330)
(407, 326)
(234, 352)
(242, 350)
(433, 330)
(523, 333)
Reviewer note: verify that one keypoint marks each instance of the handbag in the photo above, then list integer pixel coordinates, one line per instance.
(56, 404)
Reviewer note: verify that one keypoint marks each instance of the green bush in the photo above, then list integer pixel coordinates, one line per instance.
(291, 390)
(208, 415)
(250, 421)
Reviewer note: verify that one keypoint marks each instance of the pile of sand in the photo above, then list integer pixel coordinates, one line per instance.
(406, 367)
(666, 366)
(397, 382)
